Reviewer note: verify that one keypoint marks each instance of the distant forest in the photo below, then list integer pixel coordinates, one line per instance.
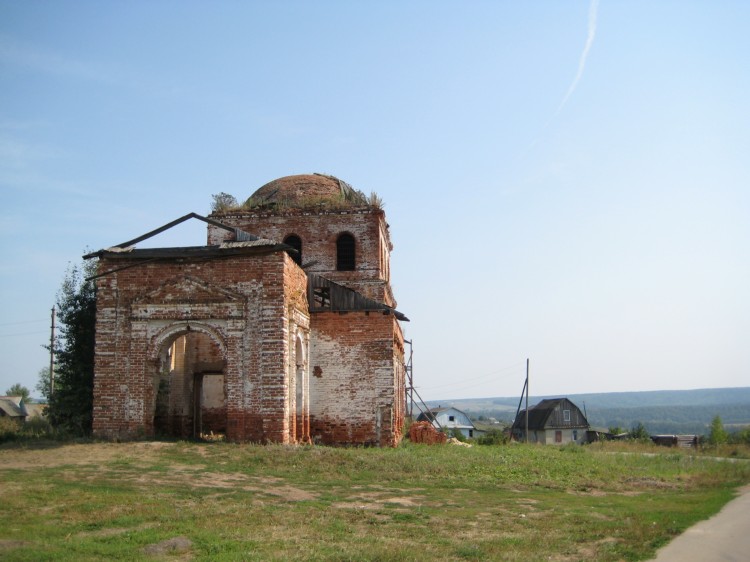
(665, 411)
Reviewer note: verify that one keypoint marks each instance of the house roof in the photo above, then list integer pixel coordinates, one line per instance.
(541, 412)
(12, 406)
(433, 412)
(34, 410)
(323, 294)
(242, 241)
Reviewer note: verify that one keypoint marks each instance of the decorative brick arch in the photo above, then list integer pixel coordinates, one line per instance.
(189, 380)
(181, 328)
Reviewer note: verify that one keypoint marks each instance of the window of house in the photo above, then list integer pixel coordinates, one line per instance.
(345, 256)
(575, 435)
(471, 433)
(566, 415)
(295, 242)
(452, 418)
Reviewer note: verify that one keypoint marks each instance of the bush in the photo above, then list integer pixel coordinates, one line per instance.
(456, 433)
(223, 202)
(9, 429)
(493, 437)
(34, 428)
(37, 427)
(740, 437)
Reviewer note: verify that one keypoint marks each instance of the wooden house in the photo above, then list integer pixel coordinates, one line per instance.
(554, 421)
(451, 419)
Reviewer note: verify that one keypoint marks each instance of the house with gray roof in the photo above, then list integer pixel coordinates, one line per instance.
(554, 421)
(449, 419)
(13, 407)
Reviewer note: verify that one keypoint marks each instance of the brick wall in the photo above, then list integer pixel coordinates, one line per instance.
(287, 376)
(357, 379)
(319, 232)
(242, 305)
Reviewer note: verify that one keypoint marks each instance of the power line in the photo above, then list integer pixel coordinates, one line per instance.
(463, 382)
(21, 334)
(24, 322)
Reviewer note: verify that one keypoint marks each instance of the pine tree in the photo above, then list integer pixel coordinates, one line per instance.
(71, 403)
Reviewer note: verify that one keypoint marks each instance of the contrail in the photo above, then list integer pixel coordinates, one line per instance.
(593, 8)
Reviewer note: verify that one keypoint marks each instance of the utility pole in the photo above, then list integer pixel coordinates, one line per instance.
(52, 356)
(527, 400)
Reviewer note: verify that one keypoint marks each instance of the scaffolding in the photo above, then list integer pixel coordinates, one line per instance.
(411, 392)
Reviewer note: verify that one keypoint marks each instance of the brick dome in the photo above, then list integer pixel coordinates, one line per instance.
(305, 189)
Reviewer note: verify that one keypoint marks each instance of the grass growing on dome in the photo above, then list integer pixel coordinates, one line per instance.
(317, 203)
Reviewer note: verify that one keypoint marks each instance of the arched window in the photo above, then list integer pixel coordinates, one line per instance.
(295, 242)
(345, 258)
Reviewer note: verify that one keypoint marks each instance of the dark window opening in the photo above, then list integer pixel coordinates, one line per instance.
(322, 297)
(295, 242)
(451, 418)
(345, 258)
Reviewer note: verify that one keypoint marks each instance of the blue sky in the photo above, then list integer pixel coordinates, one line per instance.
(565, 181)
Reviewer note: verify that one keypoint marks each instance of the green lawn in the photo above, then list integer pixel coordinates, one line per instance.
(194, 501)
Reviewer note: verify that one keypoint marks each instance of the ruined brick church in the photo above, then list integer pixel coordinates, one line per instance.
(281, 329)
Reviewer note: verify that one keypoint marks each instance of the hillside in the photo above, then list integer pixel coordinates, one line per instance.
(662, 411)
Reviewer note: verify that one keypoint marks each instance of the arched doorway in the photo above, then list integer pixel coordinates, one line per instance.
(189, 386)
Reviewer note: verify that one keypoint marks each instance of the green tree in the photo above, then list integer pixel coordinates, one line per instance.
(42, 384)
(741, 436)
(71, 403)
(718, 434)
(638, 432)
(19, 390)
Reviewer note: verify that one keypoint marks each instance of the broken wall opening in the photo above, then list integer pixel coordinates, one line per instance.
(190, 387)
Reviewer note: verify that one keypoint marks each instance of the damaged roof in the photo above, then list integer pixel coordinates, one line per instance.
(325, 295)
(242, 240)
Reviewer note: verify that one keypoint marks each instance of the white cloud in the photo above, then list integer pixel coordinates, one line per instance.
(593, 10)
